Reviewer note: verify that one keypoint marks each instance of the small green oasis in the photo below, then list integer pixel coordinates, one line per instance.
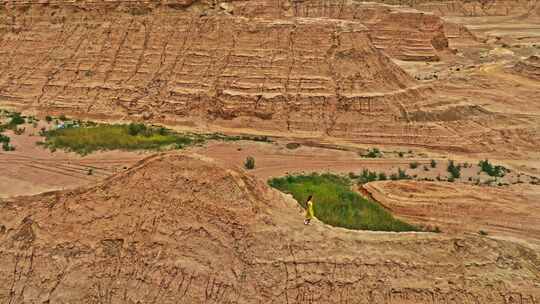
(337, 205)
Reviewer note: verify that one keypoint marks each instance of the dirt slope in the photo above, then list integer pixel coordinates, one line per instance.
(529, 67)
(511, 212)
(179, 229)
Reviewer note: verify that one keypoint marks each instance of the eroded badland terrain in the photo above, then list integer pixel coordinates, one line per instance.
(407, 86)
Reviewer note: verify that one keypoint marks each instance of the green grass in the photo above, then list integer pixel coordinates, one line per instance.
(88, 139)
(337, 205)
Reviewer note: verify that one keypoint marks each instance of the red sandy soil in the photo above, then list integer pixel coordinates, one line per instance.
(31, 169)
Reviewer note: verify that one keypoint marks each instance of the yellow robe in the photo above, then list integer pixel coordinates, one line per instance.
(309, 210)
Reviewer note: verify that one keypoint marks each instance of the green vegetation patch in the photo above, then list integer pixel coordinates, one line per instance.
(337, 205)
(89, 138)
(491, 170)
(455, 171)
(372, 153)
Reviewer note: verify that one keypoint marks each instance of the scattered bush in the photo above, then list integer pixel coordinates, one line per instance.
(6, 146)
(43, 131)
(372, 153)
(402, 174)
(337, 205)
(4, 139)
(455, 171)
(249, 163)
(135, 129)
(48, 119)
(16, 119)
(382, 176)
(19, 131)
(367, 176)
(491, 170)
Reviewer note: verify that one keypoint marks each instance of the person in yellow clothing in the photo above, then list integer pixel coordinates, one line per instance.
(309, 210)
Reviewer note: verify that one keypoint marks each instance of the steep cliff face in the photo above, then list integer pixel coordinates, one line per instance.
(473, 7)
(402, 33)
(177, 229)
(165, 65)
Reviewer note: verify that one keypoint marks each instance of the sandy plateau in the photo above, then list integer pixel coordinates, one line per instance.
(424, 81)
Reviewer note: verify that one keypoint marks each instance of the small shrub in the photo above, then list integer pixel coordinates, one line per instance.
(19, 131)
(401, 154)
(402, 174)
(135, 129)
(162, 131)
(482, 232)
(48, 119)
(367, 176)
(16, 119)
(249, 163)
(433, 163)
(7, 147)
(292, 146)
(90, 171)
(63, 117)
(372, 153)
(414, 165)
(426, 168)
(382, 176)
(491, 170)
(455, 171)
(4, 139)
